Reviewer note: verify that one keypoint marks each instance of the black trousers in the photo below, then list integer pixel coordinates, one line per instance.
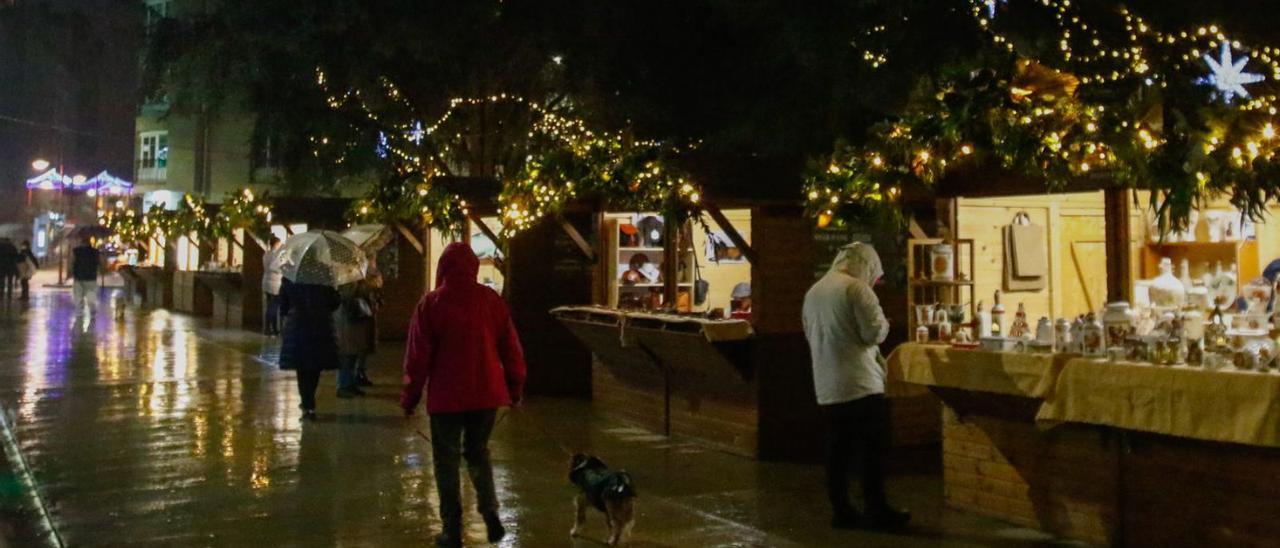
(857, 434)
(308, 380)
(7, 284)
(271, 318)
(454, 437)
(26, 287)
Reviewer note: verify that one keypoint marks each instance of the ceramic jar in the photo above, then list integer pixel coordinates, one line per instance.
(1044, 331)
(1062, 335)
(1166, 290)
(1094, 336)
(1118, 320)
(1198, 298)
(943, 321)
(942, 263)
(1223, 285)
(1077, 335)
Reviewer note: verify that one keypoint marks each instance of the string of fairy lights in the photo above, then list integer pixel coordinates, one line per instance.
(241, 210)
(563, 160)
(1028, 118)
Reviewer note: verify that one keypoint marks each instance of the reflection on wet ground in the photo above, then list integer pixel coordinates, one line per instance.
(151, 428)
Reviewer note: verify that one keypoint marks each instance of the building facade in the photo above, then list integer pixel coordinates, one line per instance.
(178, 153)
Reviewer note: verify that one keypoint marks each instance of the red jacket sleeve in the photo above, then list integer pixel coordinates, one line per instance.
(417, 357)
(512, 354)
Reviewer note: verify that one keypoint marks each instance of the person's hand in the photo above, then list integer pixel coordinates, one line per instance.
(517, 403)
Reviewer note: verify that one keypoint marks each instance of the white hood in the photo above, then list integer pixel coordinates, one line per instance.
(860, 261)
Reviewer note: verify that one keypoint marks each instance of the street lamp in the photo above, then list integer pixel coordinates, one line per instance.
(40, 165)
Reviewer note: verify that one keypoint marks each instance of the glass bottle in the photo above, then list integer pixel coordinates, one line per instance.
(997, 317)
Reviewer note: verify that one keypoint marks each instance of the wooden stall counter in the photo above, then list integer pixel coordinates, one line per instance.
(996, 460)
(1087, 449)
(677, 375)
(157, 286)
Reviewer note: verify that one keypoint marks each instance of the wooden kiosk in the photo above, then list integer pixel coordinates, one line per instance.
(1085, 448)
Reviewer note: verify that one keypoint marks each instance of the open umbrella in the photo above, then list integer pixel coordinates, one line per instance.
(370, 238)
(321, 257)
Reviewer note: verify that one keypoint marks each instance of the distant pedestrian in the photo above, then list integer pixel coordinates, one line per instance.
(464, 349)
(271, 279)
(85, 264)
(309, 345)
(8, 268)
(356, 336)
(27, 267)
(844, 324)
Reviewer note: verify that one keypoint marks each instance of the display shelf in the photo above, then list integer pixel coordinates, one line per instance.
(956, 283)
(656, 255)
(1199, 254)
(921, 290)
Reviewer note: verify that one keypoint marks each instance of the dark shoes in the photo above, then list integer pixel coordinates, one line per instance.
(351, 392)
(308, 415)
(363, 380)
(448, 540)
(887, 519)
(494, 525)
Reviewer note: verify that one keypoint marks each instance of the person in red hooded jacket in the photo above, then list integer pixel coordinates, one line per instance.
(464, 349)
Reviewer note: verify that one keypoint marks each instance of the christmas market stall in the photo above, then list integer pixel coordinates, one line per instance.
(577, 216)
(1072, 392)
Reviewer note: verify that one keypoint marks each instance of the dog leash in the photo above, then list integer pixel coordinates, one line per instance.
(424, 436)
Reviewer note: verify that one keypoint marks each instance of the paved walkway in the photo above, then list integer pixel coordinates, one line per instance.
(149, 429)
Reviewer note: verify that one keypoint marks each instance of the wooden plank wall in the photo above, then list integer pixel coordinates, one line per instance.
(1062, 481)
(1074, 233)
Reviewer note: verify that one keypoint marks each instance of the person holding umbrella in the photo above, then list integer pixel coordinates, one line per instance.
(313, 265)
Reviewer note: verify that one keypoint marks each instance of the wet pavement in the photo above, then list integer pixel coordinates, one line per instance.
(150, 428)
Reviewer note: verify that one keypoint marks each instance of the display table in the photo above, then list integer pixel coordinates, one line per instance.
(1012, 374)
(1110, 453)
(1226, 405)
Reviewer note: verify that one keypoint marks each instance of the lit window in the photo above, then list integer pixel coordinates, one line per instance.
(153, 149)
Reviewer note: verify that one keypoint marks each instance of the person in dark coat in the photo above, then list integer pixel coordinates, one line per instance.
(8, 267)
(309, 344)
(27, 267)
(357, 337)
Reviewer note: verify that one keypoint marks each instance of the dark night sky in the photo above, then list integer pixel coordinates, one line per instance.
(68, 80)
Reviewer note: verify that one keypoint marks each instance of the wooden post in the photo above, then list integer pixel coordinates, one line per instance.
(671, 263)
(1119, 254)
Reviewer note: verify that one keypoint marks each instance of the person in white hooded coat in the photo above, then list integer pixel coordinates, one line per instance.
(845, 325)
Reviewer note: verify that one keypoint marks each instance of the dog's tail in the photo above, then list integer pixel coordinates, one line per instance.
(623, 486)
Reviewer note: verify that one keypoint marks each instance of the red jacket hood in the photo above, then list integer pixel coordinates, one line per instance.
(458, 265)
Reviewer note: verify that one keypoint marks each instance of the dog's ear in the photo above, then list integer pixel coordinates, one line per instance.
(576, 460)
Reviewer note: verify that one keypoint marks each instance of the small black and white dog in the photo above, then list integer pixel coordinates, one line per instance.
(609, 491)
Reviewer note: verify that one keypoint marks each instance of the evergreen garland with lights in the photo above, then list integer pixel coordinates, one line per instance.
(1155, 112)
